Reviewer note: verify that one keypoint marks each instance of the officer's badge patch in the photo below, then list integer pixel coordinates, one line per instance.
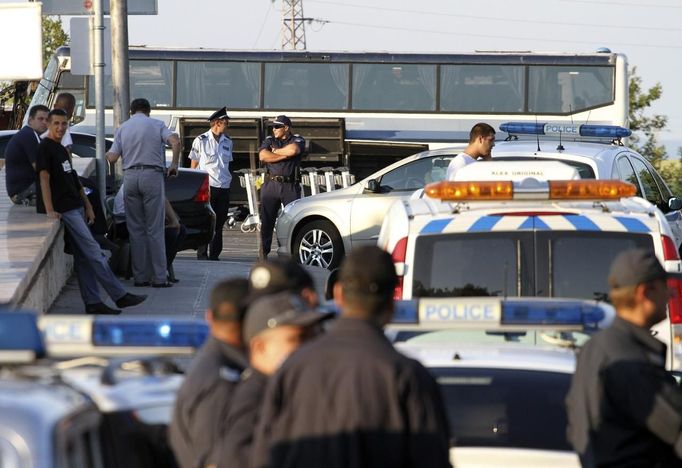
(260, 277)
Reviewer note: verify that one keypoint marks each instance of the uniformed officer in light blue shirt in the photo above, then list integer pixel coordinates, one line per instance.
(212, 152)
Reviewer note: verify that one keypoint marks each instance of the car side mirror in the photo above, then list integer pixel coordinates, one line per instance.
(675, 203)
(373, 186)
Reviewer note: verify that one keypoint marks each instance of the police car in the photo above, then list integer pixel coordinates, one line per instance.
(513, 229)
(104, 395)
(504, 368)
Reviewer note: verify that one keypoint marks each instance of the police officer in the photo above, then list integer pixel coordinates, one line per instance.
(140, 141)
(274, 327)
(212, 152)
(281, 153)
(624, 408)
(349, 398)
(204, 398)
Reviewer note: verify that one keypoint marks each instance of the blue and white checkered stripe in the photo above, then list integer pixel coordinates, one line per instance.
(567, 222)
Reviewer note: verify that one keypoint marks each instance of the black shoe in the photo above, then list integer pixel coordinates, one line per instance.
(130, 300)
(202, 257)
(100, 308)
(166, 284)
(173, 279)
(214, 259)
(143, 284)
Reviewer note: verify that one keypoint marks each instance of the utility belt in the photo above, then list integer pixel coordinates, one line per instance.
(282, 179)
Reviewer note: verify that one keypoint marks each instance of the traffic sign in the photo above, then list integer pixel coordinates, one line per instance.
(84, 7)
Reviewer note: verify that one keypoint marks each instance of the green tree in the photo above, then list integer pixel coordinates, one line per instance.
(644, 125)
(18, 93)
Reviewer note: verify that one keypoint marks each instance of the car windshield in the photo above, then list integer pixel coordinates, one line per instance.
(505, 407)
(585, 171)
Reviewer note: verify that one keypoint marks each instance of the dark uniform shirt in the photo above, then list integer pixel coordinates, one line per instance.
(20, 155)
(624, 409)
(286, 168)
(65, 186)
(349, 399)
(234, 448)
(203, 401)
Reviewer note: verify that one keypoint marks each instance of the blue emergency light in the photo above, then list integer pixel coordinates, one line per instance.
(565, 129)
(484, 312)
(20, 338)
(161, 332)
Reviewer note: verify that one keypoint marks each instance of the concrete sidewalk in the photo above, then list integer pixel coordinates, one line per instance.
(189, 297)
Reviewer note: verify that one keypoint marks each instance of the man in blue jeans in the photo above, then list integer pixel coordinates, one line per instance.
(65, 199)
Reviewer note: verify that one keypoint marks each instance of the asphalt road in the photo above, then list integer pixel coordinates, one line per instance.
(189, 297)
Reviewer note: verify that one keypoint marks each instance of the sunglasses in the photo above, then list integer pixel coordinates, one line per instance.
(278, 126)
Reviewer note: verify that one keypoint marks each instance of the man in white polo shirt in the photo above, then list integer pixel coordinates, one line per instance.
(481, 143)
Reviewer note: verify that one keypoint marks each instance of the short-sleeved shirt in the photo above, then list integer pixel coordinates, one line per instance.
(214, 156)
(20, 155)
(64, 183)
(458, 162)
(140, 141)
(286, 168)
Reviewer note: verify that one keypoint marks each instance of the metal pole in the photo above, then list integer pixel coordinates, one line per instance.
(120, 70)
(98, 31)
(119, 58)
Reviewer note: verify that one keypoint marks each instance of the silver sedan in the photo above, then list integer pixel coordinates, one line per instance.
(320, 229)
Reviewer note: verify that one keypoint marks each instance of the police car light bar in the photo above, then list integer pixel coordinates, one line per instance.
(491, 313)
(565, 129)
(70, 335)
(586, 189)
(20, 339)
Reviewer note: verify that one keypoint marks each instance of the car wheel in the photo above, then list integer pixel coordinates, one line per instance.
(318, 243)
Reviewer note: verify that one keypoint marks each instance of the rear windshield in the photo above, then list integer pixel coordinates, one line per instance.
(579, 261)
(466, 265)
(585, 171)
(505, 408)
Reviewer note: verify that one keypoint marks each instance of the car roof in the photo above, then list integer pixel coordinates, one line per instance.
(445, 353)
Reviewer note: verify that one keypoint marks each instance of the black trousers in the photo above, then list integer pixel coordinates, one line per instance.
(272, 195)
(220, 202)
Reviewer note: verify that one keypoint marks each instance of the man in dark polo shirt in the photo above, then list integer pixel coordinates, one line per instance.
(20, 158)
(624, 408)
(281, 153)
(65, 199)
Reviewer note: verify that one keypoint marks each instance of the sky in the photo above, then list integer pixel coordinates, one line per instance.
(648, 32)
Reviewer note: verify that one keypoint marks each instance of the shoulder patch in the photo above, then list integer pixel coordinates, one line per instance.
(203, 136)
(229, 374)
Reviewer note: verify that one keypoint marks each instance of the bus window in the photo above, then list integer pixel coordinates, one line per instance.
(149, 79)
(206, 84)
(481, 88)
(395, 87)
(306, 86)
(568, 89)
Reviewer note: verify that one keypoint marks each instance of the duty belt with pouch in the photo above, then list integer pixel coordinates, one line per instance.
(281, 179)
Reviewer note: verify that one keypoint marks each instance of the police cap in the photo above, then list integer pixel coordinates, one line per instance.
(281, 120)
(219, 114)
(277, 275)
(277, 310)
(637, 266)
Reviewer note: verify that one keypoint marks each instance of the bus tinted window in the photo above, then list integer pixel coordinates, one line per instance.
(481, 88)
(564, 89)
(149, 79)
(306, 86)
(394, 87)
(207, 84)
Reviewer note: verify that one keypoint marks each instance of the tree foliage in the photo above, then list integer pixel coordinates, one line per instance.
(18, 93)
(645, 128)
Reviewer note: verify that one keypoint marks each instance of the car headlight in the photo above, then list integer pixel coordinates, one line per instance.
(289, 206)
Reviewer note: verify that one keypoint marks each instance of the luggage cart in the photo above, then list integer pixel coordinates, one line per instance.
(247, 179)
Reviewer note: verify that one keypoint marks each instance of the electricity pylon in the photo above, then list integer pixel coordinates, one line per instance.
(293, 25)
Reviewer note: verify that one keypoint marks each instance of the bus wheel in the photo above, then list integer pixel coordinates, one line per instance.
(319, 244)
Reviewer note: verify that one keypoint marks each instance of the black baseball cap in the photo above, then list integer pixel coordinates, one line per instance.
(281, 120)
(277, 275)
(637, 266)
(277, 310)
(219, 114)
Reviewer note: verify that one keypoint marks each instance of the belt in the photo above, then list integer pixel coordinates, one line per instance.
(281, 179)
(146, 166)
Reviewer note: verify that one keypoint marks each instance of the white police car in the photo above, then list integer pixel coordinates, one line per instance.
(596, 152)
(504, 368)
(495, 236)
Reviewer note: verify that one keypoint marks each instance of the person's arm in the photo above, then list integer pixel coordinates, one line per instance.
(274, 155)
(115, 151)
(47, 195)
(172, 219)
(195, 153)
(89, 211)
(176, 147)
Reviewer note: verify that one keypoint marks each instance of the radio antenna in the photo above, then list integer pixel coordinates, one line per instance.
(537, 135)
